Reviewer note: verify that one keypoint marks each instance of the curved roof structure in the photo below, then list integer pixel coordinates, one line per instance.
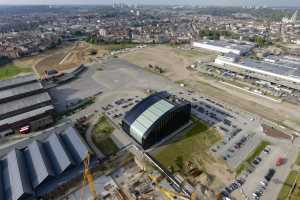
(154, 118)
(147, 118)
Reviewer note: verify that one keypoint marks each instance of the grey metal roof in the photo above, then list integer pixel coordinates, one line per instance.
(75, 145)
(26, 102)
(38, 164)
(232, 44)
(60, 158)
(140, 126)
(1, 182)
(280, 67)
(23, 89)
(26, 115)
(17, 81)
(18, 178)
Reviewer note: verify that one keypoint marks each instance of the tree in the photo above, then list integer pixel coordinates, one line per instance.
(260, 41)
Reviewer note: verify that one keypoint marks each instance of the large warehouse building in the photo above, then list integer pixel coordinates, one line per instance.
(284, 70)
(24, 103)
(36, 168)
(154, 118)
(225, 46)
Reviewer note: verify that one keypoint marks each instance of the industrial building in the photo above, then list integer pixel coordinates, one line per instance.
(24, 105)
(37, 167)
(226, 46)
(154, 118)
(280, 70)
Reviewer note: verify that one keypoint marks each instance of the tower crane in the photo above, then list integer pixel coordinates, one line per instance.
(171, 195)
(88, 178)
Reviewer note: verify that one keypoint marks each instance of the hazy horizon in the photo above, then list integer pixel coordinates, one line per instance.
(287, 3)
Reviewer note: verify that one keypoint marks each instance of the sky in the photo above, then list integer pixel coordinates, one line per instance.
(290, 3)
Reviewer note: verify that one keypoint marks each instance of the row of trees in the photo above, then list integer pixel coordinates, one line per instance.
(214, 34)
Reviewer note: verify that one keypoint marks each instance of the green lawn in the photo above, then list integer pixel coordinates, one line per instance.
(9, 71)
(256, 152)
(288, 184)
(191, 146)
(101, 136)
(103, 127)
(106, 145)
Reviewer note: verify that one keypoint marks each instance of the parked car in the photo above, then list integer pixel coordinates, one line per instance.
(270, 174)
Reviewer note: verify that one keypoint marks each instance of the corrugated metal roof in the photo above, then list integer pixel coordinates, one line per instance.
(26, 102)
(38, 164)
(75, 145)
(26, 170)
(17, 81)
(23, 89)
(57, 153)
(26, 115)
(18, 177)
(1, 182)
(140, 126)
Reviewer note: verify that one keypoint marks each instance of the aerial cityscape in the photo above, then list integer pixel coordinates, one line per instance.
(150, 100)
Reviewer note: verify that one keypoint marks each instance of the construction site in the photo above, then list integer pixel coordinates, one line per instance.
(132, 179)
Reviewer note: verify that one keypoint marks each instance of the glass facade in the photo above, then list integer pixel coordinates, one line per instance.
(155, 118)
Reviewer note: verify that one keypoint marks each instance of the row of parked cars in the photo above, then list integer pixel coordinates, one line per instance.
(237, 183)
(239, 144)
(263, 184)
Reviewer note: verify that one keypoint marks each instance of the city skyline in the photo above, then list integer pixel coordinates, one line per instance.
(288, 3)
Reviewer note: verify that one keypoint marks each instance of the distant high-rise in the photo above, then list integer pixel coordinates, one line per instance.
(294, 17)
(292, 20)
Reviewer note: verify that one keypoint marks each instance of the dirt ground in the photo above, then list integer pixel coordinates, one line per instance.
(69, 56)
(274, 132)
(175, 62)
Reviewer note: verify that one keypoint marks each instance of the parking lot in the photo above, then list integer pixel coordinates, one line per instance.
(117, 109)
(241, 134)
(266, 175)
(254, 184)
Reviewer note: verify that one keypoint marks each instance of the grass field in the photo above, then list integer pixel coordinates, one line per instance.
(288, 184)
(9, 71)
(256, 152)
(103, 127)
(106, 146)
(101, 136)
(193, 145)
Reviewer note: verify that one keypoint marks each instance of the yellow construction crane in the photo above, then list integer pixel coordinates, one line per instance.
(88, 177)
(194, 196)
(170, 195)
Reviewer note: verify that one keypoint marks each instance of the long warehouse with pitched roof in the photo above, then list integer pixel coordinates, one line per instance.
(37, 168)
(154, 118)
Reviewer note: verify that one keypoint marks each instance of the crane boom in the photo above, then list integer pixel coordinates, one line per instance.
(88, 177)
